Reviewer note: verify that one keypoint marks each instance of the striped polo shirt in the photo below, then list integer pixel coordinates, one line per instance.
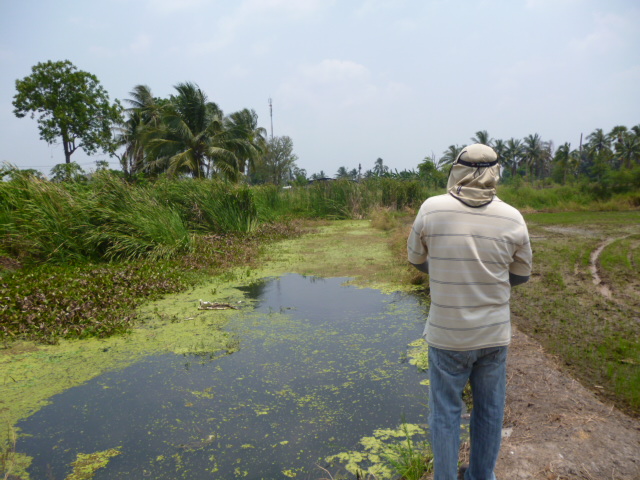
(471, 252)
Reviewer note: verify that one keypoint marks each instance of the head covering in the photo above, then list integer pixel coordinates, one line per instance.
(474, 175)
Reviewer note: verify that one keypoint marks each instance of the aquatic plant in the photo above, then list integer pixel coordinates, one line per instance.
(48, 302)
(388, 453)
(411, 461)
(87, 464)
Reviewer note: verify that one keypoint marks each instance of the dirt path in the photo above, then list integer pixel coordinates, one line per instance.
(559, 430)
(602, 287)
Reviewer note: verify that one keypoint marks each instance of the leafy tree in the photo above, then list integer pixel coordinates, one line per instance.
(12, 172)
(67, 172)
(299, 176)
(276, 165)
(430, 171)
(71, 105)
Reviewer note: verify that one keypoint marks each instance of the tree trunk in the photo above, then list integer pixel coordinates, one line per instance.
(67, 152)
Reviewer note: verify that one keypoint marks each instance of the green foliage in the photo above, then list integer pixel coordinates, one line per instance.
(409, 459)
(71, 106)
(429, 171)
(43, 221)
(67, 172)
(188, 135)
(211, 206)
(109, 219)
(277, 164)
(79, 301)
(388, 453)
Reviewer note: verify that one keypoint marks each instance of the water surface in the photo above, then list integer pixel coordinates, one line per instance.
(319, 366)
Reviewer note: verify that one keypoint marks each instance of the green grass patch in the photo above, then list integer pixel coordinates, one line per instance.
(595, 336)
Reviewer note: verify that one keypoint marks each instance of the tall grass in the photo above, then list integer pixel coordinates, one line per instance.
(566, 198)
(109, 219)
(210, 206)
(342, 199)
(43, 220)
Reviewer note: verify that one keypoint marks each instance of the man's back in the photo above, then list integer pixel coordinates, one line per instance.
(471, 252)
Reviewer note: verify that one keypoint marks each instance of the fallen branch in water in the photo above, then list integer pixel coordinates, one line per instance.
(215, 306)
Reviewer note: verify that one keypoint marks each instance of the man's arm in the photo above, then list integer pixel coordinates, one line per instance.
(423, 267)
(517, 279)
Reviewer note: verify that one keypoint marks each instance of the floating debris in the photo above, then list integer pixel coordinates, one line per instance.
(215, 306)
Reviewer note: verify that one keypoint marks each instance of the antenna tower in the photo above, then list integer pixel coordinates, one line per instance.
(271, 115)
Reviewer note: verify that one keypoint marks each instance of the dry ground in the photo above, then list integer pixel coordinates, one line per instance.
(559, 430)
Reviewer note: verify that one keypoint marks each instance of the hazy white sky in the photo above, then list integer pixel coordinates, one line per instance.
(351, 80)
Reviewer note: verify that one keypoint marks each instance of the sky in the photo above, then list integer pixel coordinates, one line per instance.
(350, 80)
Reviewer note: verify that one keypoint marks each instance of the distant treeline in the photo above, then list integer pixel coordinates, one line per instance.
(188, 135)
(598, 159)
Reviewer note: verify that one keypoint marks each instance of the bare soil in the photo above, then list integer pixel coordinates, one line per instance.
(556, 429)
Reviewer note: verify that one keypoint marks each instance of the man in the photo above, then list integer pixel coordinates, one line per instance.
(475, 248)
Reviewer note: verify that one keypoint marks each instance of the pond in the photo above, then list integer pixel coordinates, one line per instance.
(319, 365)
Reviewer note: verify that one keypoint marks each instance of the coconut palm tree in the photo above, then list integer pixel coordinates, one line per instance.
(450, 155)
(500, 148)
(482, 137)
(513, 155)
(598, 142)
(245, 138)
(628, 150)
(533, 152)
(342, 173)
(379, 168)
(144, 111)
(617, 133)
(562, 159)
(191, 139)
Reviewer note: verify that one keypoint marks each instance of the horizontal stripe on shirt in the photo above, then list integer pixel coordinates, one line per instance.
(479, 327)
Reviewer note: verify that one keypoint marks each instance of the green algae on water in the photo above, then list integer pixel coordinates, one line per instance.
(87, 464)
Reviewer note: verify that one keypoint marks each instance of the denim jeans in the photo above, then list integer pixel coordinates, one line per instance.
(486, 370)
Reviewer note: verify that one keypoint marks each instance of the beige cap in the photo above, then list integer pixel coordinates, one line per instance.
(478, 153)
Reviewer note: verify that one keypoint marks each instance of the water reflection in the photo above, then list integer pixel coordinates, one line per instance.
(319, 366)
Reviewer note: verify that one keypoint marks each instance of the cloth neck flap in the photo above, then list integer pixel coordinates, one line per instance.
(474, 184)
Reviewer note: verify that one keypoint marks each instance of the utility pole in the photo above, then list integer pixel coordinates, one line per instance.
(271, 115)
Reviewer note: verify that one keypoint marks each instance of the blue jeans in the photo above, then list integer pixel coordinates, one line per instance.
(486, 370)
